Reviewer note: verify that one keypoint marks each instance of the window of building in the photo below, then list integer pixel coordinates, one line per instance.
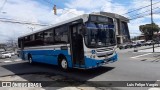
(125, 30)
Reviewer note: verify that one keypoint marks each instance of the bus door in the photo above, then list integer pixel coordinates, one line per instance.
(77, 50)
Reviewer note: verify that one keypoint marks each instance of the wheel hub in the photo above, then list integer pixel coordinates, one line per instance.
(64, 64)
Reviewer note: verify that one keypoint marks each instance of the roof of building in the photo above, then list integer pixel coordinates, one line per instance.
(114, 15)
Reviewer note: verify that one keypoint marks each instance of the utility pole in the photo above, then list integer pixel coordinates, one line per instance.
(152, 25)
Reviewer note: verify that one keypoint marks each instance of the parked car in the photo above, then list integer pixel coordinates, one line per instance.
(149, 42)
(142, 42)
(12, 53)
(139, 44)
(123, 46)
(1, 56)
(134, 45)
(129, 45)
(6, 55)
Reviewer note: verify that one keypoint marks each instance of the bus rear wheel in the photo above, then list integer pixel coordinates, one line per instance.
(64, 64)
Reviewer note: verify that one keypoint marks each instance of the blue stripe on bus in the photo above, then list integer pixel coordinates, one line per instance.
(48, 56)
(51, 56)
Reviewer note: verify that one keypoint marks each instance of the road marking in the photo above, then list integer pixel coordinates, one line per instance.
(7, 61)
(141, 55)
(154, 89)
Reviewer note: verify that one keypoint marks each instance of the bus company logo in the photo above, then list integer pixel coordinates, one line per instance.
(93, 51)
(6, 84)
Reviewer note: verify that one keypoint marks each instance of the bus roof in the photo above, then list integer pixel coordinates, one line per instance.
(84, 17)
(60, 23)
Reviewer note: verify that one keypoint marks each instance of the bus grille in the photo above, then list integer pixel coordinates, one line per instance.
(106, 55)
(102, 50)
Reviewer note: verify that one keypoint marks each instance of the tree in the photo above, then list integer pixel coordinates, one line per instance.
(11, 44)
(148, 30)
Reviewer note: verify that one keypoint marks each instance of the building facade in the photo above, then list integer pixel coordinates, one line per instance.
(122, 30)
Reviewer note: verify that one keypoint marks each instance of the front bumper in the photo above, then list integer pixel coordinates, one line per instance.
(92, 63)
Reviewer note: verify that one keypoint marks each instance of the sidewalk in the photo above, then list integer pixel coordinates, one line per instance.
(147, 47)
(156, 49)
(141, 49)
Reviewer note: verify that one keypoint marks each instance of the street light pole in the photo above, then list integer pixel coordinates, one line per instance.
(152, 25)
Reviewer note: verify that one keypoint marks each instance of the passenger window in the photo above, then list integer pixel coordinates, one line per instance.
(39, 36)
(39, 41)
(48, 37)
(61, 35)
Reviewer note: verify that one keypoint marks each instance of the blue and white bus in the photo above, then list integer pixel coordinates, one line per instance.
(83, 42)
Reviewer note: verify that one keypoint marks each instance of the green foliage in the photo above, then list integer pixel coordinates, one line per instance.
(149, 29)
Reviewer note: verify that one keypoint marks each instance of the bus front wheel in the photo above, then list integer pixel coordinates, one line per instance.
(64, 64)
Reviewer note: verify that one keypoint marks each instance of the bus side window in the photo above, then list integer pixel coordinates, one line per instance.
(20, 43)
(26, 41)
(61, 35)
(48, 37)
(39, 39)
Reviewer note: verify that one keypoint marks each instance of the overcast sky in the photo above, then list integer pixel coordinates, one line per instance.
(40, 11)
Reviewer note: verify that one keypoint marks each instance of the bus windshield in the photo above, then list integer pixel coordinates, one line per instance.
(99, 35)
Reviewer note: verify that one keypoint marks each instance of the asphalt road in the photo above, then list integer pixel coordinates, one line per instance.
(131, 66)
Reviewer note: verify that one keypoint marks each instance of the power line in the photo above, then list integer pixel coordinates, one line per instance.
(144, 12)
(144, 15)
(51, 3)
(140, 8)
(48, 2)
(20, 22)
(3, 5)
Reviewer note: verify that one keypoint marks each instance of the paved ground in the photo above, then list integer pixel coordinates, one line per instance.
(132, 66)
(157, 49)
(142, 48)
(44, 78)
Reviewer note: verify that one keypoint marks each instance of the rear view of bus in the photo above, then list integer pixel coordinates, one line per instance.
(100, 41)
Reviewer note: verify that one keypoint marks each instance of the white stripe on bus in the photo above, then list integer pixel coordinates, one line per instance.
(51, 47)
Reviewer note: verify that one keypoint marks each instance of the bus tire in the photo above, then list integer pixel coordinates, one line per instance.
(30, 59)
(63, 64)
